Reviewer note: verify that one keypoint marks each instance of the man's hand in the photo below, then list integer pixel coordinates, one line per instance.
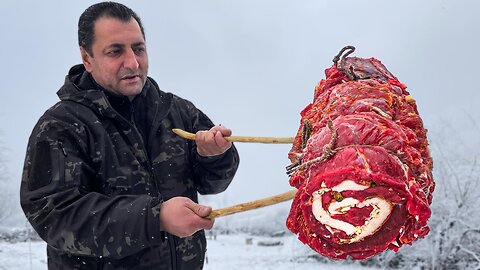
(212, 142)
(182, 217)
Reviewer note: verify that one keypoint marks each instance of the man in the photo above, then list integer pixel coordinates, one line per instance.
(106, 183)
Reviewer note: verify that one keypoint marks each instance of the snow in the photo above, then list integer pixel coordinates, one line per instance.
(233, 250)
(241, 251)
(23, 255)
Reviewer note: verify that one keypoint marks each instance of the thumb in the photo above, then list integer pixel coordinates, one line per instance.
(225, 131)
(200, 210)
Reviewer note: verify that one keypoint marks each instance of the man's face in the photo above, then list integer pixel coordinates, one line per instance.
(119, 62)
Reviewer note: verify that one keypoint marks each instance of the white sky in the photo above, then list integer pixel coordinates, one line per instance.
(252, 65)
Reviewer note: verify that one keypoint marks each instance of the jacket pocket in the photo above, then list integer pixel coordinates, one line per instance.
(48, 165)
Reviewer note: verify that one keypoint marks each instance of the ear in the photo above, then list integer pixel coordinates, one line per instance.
(86, 59)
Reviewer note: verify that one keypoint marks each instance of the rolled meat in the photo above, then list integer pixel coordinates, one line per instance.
(361, 164)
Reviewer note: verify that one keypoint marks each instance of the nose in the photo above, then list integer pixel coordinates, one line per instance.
(130, 61)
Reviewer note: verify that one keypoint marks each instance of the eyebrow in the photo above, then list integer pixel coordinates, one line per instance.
(140, 43)
(121, 46)
(115, 46)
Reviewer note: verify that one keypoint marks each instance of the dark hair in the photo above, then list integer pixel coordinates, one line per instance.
(86, 23)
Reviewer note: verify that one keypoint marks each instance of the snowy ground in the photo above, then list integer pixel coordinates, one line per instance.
(240, 251)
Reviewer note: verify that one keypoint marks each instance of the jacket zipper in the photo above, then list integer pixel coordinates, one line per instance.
(170, 238)
(173, 253)
(144, 149)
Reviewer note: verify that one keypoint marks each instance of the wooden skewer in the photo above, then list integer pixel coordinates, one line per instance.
(276, 140)
(252, 205)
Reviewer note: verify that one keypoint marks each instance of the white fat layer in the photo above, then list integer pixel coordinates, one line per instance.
(348, 185)
(324, 217)
(343, 206)
(381, 210)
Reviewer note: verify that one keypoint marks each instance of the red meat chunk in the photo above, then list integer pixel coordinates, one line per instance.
(361, 163)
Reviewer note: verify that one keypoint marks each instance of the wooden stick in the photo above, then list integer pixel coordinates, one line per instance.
(252, 205)
(276, 140)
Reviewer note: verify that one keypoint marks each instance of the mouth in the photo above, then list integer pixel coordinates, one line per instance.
(130, 78)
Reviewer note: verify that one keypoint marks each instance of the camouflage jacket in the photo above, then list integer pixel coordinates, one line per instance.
(93, 192)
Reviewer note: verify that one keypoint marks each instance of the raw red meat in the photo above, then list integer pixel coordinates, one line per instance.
(361, 164)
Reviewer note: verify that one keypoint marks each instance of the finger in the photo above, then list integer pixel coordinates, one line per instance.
(214, 129)
(225, 131)
(220, 133)
(206, 224)
(221, 142)
(222, 129)
(203, 223)
(200, 136)
(198, 209)
(203, 139)
(204, 136)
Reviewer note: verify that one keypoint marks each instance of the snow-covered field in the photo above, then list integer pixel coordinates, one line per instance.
(239, 251)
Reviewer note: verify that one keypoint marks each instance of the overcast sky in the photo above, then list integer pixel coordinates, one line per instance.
(252, 65)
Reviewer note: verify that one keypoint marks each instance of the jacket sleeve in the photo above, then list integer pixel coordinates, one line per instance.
(59, 199)
(212, 174)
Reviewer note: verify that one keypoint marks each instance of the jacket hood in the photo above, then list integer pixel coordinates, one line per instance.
(71, 85)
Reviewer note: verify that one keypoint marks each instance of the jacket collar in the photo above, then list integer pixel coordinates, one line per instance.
(80, 87)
